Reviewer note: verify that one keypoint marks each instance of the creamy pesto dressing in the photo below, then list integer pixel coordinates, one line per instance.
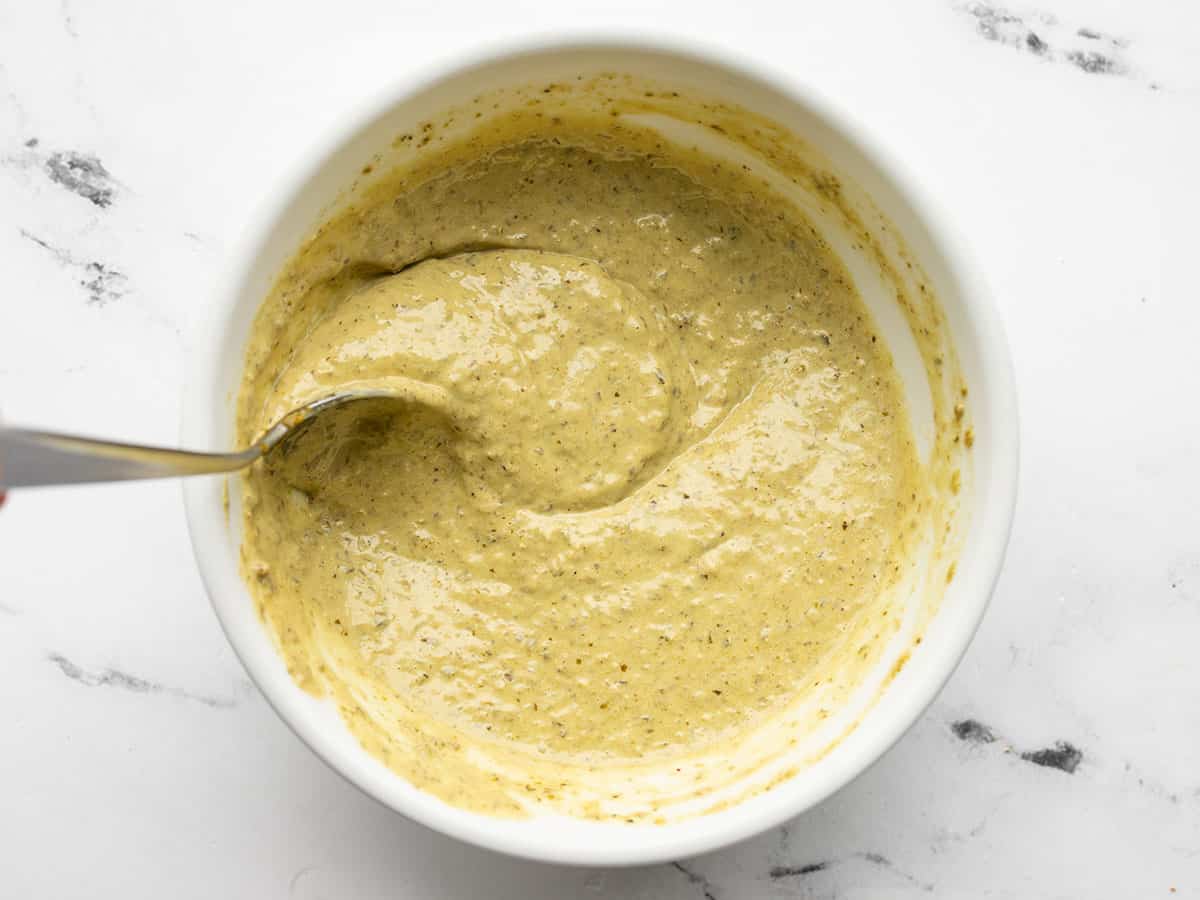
(646, 481)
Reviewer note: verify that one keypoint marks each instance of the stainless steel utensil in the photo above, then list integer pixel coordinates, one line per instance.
(29, 458)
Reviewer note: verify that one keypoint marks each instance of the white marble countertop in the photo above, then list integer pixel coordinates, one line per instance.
(1062, 760)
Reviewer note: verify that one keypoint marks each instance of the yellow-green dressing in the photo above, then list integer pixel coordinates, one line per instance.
(646, 481)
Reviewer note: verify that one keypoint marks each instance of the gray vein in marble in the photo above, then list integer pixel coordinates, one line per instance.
(115, 678)
(81, 174)
(1155, 788)
(102, 283)
(973, 732)
(6, 610)
(68, 19)
(1063, 755)
(881, 861)
(877, 860)
(1096, 63)
(298, 877)
(1042, 35)
(943, 837)
(798, 871)
(696, 879)
(785, 834)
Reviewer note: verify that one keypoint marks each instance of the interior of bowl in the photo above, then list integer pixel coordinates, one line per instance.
(910, 272)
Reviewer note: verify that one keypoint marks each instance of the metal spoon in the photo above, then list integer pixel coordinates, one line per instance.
(29, 458)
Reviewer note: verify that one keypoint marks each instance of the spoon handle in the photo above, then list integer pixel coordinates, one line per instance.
(29, 458)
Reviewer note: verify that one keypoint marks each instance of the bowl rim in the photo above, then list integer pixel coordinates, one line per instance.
(893, 718)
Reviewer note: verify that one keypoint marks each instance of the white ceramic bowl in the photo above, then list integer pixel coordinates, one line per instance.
(988, 495)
